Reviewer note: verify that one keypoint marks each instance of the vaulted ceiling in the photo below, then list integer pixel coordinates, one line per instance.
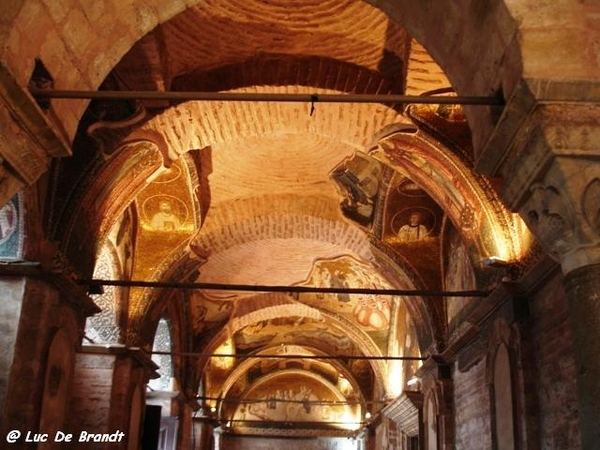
(328, 195)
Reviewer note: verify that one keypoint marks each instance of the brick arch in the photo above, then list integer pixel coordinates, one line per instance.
(80, 63)
(476, 45)
(282, 70)
(360, 338)
(488, 48)
(483, 48)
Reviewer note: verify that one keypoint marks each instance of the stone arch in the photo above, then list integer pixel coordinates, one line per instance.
(106, 197)
(468, 199)
(468, 72)
(243, 367)
(103, 328)
(362, 340)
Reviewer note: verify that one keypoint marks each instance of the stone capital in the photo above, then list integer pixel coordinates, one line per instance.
(551, 176)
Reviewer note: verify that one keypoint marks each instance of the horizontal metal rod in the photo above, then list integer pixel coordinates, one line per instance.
(290, 356)
(289, 289)
(265, 97)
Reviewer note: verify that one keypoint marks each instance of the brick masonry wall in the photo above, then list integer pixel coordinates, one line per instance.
(556, 370)
(472, 408)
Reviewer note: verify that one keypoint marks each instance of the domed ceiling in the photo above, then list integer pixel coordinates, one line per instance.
(350, 206)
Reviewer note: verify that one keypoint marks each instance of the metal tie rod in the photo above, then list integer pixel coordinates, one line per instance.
(264, 97)
(286, 289)
(292, 356)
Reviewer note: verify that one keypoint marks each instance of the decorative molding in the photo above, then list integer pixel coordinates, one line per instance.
(28, 140)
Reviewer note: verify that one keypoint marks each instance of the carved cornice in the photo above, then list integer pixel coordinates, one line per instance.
(546, 148)
(28, 140)
(528, 95)
(74, 294)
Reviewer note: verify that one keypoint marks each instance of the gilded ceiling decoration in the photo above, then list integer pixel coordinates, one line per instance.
(325, 195)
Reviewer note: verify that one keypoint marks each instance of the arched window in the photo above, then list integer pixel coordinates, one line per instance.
(162, 343)
(431, 424)
(102, 328)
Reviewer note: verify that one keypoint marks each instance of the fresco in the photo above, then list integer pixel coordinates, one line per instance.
(370, 311)
(208, 313)
(295, 396)
(411, 227)
(284, 330)
(358, 179)
(165, 212)
(459, 275)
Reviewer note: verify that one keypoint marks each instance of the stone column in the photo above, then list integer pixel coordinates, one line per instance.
(108, 395)
(205, 439)
(187, 431)
(564, 213)
(41, 317)
(549, 160)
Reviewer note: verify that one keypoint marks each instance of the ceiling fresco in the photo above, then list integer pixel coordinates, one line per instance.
(281, 194)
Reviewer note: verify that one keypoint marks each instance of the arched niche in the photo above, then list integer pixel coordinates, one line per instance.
(504, 427)
(468, 199)
(59, 370)
(103, 328)
(431, 421)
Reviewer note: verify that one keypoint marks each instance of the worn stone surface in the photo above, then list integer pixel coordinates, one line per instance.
(583, 287)
(41, 314)
(10, 312)
(472, 408)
